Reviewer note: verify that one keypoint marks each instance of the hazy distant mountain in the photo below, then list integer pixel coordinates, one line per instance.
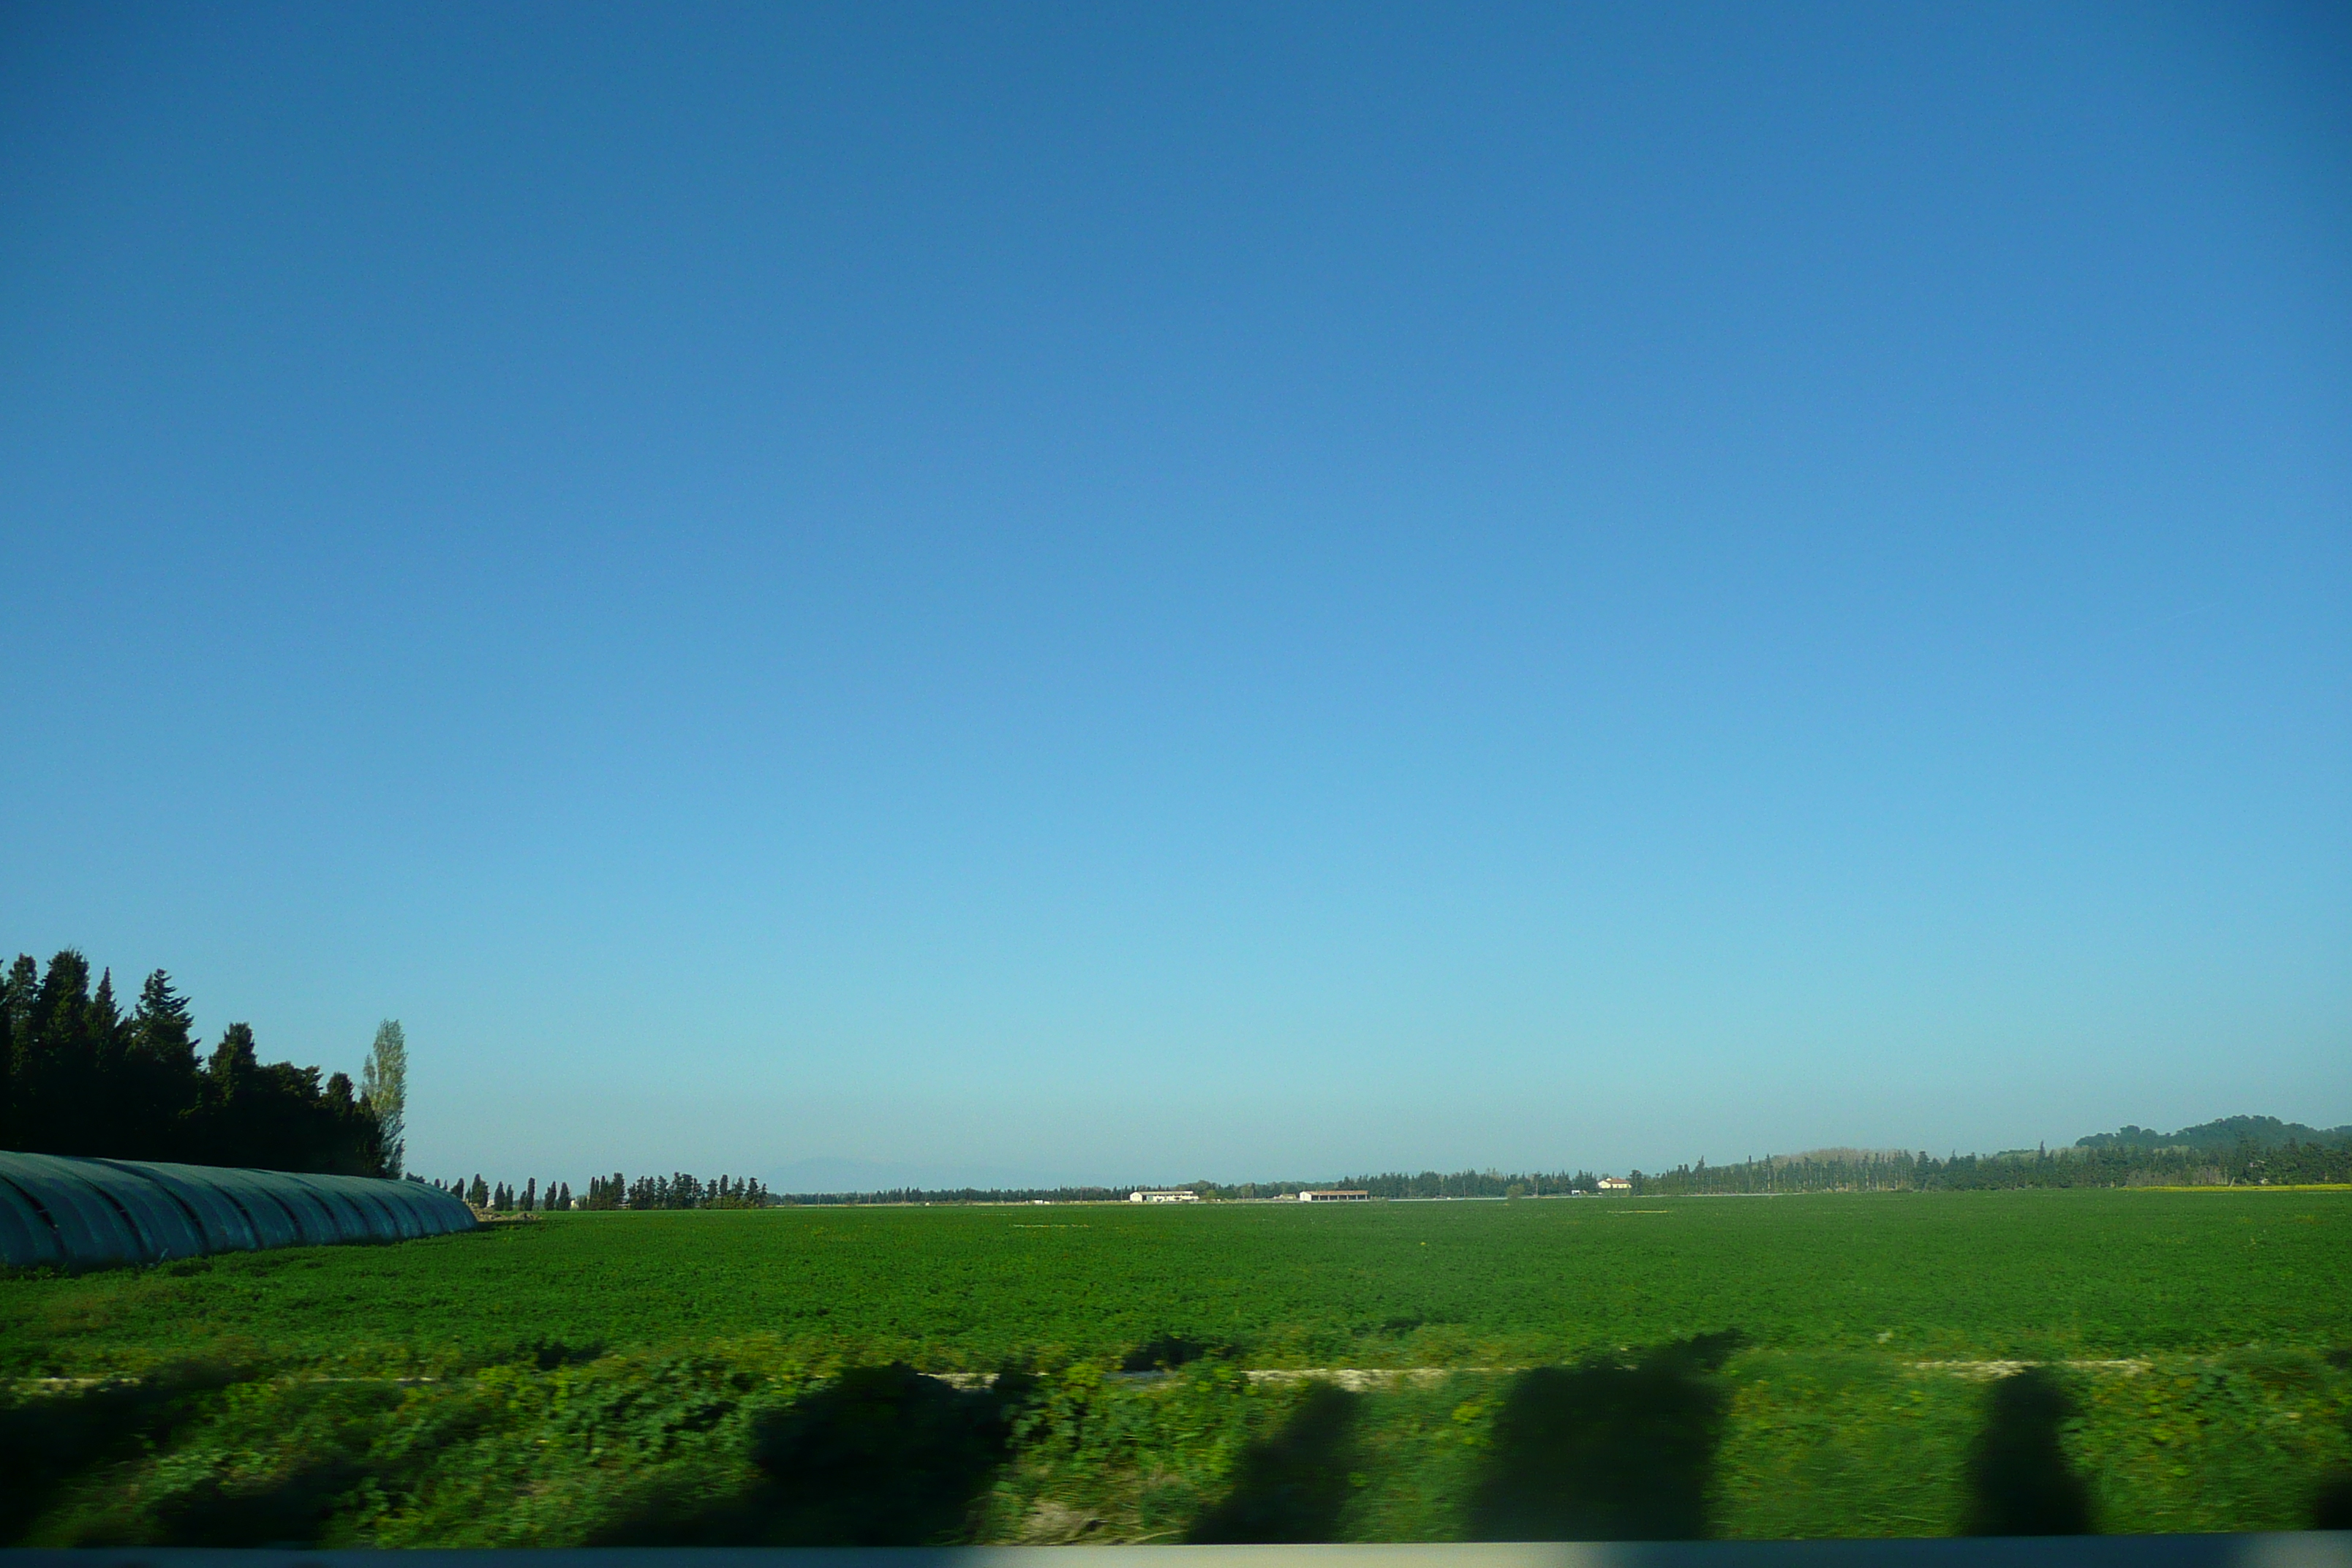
(2263, 1132)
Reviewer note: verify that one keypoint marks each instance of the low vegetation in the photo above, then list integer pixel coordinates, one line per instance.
(1851, 1364)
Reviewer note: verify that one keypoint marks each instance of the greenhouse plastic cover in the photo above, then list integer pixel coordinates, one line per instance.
(91, 1214)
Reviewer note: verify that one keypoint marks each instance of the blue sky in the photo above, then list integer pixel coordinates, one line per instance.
(1083, 592)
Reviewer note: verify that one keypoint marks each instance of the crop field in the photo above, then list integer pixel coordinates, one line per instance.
(1818, 1365)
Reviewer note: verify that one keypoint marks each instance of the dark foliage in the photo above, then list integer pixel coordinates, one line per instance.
(1609, 1450)
(49, 1440)
(1293, 1484)
(678, 1191)
(880, 1456)
(2018, 1480)
(288, 1511)
(2221, 1137)
(76, 1077)
(1164, 1352)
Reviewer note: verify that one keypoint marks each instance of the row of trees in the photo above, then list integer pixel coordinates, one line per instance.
(2250, 1163)
(1487, 1184)
(2265, 1151)
(503, 1199)
(680, 1191)
(79, 1075)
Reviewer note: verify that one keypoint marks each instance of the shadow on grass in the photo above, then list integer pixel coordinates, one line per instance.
(880, 1456)
(2018, 1480)
(291, 1509)
(1293, 1484)
(546, 1354)
(48, 1441)
(1165, 1352)
(1608, 1450)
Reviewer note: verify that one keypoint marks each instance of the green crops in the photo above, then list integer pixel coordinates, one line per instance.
(1819, 1366)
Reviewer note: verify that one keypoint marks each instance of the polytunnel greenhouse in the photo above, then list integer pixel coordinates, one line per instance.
(94, 1214)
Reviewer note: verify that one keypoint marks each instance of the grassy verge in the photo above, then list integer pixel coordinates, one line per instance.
(561, 1448)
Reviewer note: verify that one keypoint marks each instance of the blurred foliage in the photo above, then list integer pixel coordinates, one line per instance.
(703, 1449)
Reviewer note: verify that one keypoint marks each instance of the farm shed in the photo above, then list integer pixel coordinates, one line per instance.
(94, 1214)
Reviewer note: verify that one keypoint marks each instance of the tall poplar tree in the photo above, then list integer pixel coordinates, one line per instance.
(383, 1087)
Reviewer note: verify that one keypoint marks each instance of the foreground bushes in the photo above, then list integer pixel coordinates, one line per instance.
(559, 1445)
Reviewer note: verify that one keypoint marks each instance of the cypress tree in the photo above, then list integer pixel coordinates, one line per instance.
(105, 1040)
(16, 991)
(230, 1084)
(162, 1087)
(56, 1063)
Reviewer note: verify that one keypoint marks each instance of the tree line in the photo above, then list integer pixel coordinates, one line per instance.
(2261, 1151)
(501, 1198)
(2250, 1163)
(1487, 1184)
(79, 1075)
(679, 1190)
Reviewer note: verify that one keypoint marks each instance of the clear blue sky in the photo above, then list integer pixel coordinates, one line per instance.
(1132, 593)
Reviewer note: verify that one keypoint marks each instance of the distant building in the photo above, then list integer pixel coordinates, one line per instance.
(1615, 1185)
(1182, 1195)
(1335, 1196)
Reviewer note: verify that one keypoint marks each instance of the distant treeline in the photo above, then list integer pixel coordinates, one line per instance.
(2248, 1163)
(614, 1191)
(675, 1192)
(501, 1198)
(78, 1076)
(2221, 1137)
(2263, 1150)
(965, 1195)
(1392, 1185)
(2245, 1150)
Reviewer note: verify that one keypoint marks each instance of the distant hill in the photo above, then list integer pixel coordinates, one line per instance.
(2261, 1131)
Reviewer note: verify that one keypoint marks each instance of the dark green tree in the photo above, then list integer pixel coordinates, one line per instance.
(16, 994)
(160, 1082)
(58, 1090)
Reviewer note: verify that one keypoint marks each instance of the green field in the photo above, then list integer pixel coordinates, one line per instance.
(627, 1376)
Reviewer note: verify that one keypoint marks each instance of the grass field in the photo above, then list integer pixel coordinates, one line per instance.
(648, 1376)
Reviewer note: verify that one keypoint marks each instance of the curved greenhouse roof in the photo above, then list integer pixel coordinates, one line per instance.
(92, 1214)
